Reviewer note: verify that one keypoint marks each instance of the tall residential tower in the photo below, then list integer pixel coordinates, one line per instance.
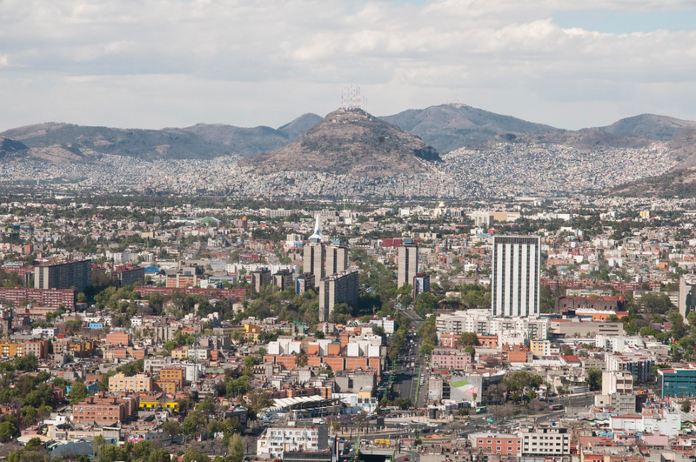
(407, 264)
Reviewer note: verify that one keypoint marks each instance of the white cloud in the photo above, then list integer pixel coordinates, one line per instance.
(285, 58)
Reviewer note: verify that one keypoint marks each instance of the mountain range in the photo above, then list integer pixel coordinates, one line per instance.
(350, 141)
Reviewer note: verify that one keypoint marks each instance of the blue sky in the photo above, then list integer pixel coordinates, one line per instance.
(626, 21)
(158, 63)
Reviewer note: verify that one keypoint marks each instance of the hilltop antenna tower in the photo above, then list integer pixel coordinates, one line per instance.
(351, 98)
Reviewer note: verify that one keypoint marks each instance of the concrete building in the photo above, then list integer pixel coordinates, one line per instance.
(314, 255)
(335, 289)
(275, 441)
(336, 260)
(450, 358)
(304, 282)
(515, 276)
(64, 275)
(260, 278)
(500, 444)
(407, 264)
(635, 362)
(687, 295)
(120, 383)
(314, 261)
(129, 275)
(479, 321)
(545, 442)
(617, 382)
(283, 280)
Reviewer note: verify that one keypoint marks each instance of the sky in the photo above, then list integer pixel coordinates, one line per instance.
(165, 63)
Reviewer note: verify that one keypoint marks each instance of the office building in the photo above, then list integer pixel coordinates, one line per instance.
(336, 259)
(677, 382)
(407, 264)
(687, 295)
(64, 275)
(515, 273)
(335, 289)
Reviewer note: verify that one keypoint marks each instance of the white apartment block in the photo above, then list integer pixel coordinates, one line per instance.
(276, 440)
(284, 346)
(508, 330)
(617, 382)
(545, 441)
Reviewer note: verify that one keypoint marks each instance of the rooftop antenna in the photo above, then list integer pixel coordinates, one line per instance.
(351, 98)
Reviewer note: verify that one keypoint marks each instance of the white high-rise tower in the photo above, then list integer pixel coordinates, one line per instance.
(515, 273)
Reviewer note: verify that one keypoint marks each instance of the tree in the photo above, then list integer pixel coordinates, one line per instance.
(341, 313)
(686, 406)
(427, 332)
(171, 428)
(522, 385)
(193, 423)
(656, 303)
(468, 339)
(8, 430)
(594, 379)
(195, 455)
(78, 392)
(425, 303)
(236, 448)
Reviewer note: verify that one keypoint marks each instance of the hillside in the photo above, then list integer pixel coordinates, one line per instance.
(201, 141)
(451, 126)
(351, 141)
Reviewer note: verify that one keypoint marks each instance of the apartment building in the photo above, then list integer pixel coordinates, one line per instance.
(545, 441)
(275, 441)
(335, 289)
(64, 275)
(120, 383)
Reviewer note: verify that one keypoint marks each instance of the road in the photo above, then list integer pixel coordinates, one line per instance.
(410, 364)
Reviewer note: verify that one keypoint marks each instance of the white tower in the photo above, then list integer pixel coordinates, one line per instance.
(515, 272)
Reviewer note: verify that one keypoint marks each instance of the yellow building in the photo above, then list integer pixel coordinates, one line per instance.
(180, 353)
(150, 404)
(11, 349)
(176, 375)
(38, 348)
(540, 348)
(252, 332)
(167, 386)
